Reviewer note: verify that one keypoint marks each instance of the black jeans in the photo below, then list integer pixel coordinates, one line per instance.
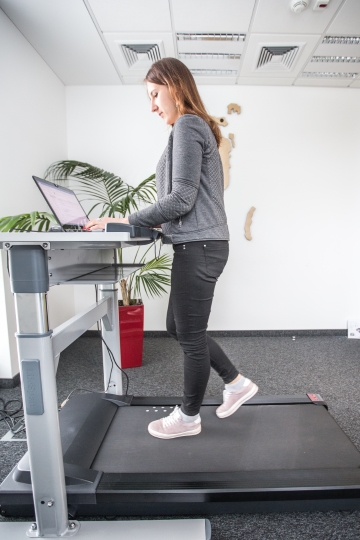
(196, 268)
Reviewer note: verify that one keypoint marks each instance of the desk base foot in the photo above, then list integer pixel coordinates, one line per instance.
(171, 529)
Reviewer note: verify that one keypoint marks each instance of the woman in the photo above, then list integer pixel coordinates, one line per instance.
(190, 209)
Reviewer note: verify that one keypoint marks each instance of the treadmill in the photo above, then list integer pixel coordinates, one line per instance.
(276, 453)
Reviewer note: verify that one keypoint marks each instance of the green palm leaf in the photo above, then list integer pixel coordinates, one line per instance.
(111, 193)
(27, 222)
(152, 277)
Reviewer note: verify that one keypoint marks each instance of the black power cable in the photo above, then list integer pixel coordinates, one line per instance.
(110, 353)
(13, 422)
(113, 362)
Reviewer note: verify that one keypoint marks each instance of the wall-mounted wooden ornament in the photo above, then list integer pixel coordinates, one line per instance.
(234, 107)
(224, 150)
(248, 223)
(220, 120)
(227, 144)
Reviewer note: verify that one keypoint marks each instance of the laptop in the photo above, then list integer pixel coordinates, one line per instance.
(64, 205)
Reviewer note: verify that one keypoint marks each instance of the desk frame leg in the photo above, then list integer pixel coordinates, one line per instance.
(30, 283)
(41, 417)
(111, 335)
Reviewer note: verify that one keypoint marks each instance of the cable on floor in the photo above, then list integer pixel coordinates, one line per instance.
(13, 422)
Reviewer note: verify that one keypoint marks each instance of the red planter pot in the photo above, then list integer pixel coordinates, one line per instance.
(131, 321)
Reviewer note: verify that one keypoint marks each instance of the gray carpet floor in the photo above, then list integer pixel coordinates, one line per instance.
(326, 365)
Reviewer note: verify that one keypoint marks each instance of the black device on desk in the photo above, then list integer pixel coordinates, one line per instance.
(134, 230)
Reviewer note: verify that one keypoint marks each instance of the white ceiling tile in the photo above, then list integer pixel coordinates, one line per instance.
(347, 21)
(306, 44)
(275, 16)
(115, 41)
(64, 35)
(355, 84)
(212, 15)
(305, 81)
(266, 81)
(132, 15)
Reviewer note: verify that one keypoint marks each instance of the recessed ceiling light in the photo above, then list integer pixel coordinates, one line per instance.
(321, 74)
(342, 59)
(228, 72)
(341, 40)
(210, 37)
(209, 56)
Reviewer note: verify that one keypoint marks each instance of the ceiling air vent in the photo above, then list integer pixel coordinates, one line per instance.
(277, 58)
(209, 56)
(212, 72)
(210, 37)
(337, 59)
(140, 54)
(327, 75)
(341, 40)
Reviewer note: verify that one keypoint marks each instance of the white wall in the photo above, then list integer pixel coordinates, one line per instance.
(8, 355)
(296, 160)
(32, 135)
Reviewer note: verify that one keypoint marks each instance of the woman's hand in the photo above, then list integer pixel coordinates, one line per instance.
(98, 224)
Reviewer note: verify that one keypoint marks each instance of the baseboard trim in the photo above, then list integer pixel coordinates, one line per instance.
(244, 333)
(276, 333)
(10, 383)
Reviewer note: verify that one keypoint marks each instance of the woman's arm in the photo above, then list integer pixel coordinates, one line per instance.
(188, 146)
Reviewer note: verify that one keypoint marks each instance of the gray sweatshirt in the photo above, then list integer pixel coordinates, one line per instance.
(190, 187)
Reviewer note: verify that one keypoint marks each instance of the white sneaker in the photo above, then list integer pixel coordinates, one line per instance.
(233, 400)
(173, 426)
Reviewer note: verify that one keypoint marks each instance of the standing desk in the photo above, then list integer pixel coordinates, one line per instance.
(36, 261)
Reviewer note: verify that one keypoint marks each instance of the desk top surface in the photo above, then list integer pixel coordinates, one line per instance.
(71, 240)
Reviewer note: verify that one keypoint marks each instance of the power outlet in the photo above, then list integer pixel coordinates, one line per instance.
(354, 329)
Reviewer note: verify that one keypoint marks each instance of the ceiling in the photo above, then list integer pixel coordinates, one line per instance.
(245, 42)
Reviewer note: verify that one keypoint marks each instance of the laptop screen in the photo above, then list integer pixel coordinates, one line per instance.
(63, 203)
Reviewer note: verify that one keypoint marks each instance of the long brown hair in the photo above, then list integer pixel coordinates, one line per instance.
(183, 90)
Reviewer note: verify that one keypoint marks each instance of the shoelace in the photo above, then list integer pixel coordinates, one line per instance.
(226, 395)
(173, 417)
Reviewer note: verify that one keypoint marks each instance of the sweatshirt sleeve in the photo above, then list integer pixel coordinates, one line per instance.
(189, 137)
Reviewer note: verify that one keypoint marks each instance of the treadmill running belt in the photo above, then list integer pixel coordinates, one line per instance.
(256, 438)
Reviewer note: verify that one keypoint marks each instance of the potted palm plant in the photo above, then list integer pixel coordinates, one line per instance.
(111, 197)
